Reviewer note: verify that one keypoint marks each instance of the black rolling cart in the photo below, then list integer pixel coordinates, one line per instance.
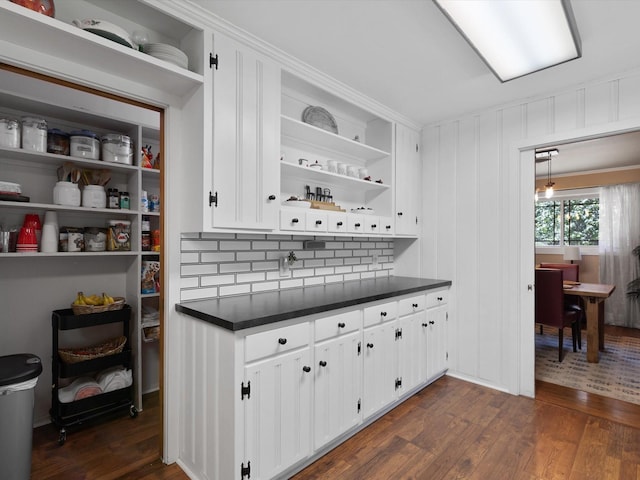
(77, 412)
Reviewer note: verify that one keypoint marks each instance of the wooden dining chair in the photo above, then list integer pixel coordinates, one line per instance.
(571, 272)
(550, 307)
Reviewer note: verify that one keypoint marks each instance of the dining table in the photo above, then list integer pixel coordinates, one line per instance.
(594, 295)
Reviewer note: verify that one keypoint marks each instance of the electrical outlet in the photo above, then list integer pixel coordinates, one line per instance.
(375, 259)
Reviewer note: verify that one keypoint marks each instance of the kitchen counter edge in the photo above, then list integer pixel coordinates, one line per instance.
(246, 311)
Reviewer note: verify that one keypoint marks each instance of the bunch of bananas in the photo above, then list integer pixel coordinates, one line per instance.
(82, 299)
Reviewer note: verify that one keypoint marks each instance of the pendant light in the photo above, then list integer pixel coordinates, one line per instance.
(548, 188)
(545, 156)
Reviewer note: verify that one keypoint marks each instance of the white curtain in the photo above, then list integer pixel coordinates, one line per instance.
(619, 235)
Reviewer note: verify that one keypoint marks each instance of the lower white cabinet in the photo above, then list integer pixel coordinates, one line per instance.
(262, 403)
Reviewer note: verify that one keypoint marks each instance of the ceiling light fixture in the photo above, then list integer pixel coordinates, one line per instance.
(545, 156)
(516, 38)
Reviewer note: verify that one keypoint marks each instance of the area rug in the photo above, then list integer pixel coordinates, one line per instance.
(617, 375)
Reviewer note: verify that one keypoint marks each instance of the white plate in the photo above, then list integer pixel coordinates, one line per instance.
(297, 203)
(105, 30)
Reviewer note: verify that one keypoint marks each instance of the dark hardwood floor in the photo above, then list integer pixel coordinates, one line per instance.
(452, 429)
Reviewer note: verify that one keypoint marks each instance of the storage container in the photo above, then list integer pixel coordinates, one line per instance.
(57, 142)
(117, 148)
(66, 193)
(71, 239)
(34, 134)
(85, 144)
(95, 239)
(94, 196)
(9, 133)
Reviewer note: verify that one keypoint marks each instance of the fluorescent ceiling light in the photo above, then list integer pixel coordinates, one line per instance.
(516, 38)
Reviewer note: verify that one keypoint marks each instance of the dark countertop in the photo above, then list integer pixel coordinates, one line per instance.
(246, 311)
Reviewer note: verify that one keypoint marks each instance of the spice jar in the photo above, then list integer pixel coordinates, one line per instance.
(34, 134)
(9, 133)
(124, 200)
(113, 198)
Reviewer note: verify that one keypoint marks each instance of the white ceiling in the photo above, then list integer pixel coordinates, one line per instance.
(406, 55)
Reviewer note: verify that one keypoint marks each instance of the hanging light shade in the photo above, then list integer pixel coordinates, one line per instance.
(542, 156)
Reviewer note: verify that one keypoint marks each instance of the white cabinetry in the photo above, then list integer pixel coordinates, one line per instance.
(408, 174)
(246, 137)
(411, 344)
(363, 141)
(436, 333)
(338, 373)
(276, 395)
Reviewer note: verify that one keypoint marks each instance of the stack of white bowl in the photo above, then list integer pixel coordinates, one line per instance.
(167, 53)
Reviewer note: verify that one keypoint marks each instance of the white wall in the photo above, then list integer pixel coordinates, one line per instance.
(478, 204)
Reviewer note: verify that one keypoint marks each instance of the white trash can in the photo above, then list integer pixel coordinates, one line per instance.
(18, 377)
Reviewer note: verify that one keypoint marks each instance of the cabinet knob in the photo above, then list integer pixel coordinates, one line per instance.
(425, 325)
(318, 222)
(431, 322)
(357, 225)
(323, 363)
(294, 220)
(339, 224)
(373, 226)
(383, 314)
(272, 197)
(306, 369)
(439, 299)
(388, 227)
(415, 305)
(341, 324)
(399, 214)
(369, 345)
(282, 341)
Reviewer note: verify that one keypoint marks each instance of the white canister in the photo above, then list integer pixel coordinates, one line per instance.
(94, 196)
(117, 148)
(66, 193)
(342, 168)
(363, 172)
(352, 171)
(34, 134)
(84, 144)
(332, 166)
(9, 133)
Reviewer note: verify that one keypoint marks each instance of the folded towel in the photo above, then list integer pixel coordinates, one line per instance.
(81, 387)
(114, 379)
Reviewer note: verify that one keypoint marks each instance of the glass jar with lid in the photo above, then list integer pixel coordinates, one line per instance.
(34, 134)
(9, 132)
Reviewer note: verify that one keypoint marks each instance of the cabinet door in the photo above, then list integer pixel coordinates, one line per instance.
(246, 138)
(409, 351)
(277, 414)
(407, 183)
(436, 341)
(380, 367)
(338, 386)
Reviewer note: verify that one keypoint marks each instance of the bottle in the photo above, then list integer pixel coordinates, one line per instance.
(113, 198)
(124, 200)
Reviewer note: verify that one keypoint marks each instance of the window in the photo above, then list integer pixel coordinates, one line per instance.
(568, 221)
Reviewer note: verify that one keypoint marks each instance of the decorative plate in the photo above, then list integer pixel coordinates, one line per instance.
(319, 117)
(105, 30)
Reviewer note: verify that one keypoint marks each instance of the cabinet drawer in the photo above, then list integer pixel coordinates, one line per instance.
(372, 224)
(355, 223)
(292, 220)
(386, 225)
(337, 222)
(410, 305)
(440, 297)
(279, 340)
(337, 325)
(316, 222)
(380, 313)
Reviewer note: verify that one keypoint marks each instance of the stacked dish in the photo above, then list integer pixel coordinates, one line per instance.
(168, 53)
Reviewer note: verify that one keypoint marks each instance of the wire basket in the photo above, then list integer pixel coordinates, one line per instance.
(118, 303)
(106, 348)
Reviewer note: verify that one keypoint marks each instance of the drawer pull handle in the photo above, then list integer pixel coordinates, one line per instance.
(383, 314)
(369, 345)
(388, 227)
(357, 225)
(425, 325)
(282, 341)
(339, 224)
(323, 363)
(415, 305)
(341, 325)
(318, 222)
(399, 214)
(439, 299)
(306, 369)
(294, 220)
(272, 197)
(431, 322)
(374, 225)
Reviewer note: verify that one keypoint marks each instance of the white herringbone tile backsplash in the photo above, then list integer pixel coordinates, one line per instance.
(217, 265)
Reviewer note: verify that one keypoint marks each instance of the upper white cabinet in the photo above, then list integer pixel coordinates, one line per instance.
(55, 45)
(361, 148)
(408, 173)
(246, 112)
(231, 142)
